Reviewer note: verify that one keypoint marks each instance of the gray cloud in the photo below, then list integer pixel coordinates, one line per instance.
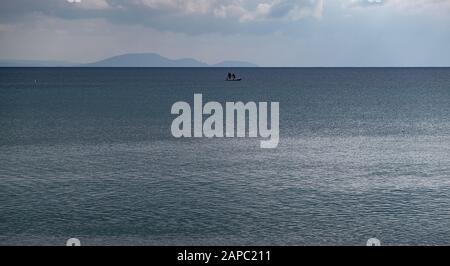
(403, 5)
(367, 3)
(186, 16)
(286, 32)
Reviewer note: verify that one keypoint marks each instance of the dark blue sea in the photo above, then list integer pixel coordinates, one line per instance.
(88, 153)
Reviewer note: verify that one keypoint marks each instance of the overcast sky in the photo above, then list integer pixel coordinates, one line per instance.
(268, 32)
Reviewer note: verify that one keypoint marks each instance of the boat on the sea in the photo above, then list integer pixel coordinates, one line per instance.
(232, 77)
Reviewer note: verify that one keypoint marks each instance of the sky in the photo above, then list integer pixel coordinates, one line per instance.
(285, 33)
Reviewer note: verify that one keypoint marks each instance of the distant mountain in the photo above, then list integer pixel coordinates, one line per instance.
(34, 63)
(145, 60)
(155, 60)
(127, 60)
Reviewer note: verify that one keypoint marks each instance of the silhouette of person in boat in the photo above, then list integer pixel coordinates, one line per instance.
(232, 77)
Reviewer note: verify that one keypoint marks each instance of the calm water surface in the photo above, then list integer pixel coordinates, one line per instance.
(88, 153)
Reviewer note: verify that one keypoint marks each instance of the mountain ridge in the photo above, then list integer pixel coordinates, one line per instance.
(156, 60)
(127, 60)
(34, 63)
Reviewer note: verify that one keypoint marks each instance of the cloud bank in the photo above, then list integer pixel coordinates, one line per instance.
(188, 16)
(266, 32)
(205, 16)
(403, 5)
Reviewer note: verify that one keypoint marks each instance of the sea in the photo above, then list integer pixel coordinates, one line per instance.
(88, 153)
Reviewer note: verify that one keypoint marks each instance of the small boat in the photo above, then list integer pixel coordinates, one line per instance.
(232, 77)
